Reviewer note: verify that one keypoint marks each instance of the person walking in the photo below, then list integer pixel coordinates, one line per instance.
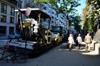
(88, 40)
(70, 41)
(79, 40)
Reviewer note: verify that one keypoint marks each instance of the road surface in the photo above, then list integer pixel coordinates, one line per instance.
(60, 56)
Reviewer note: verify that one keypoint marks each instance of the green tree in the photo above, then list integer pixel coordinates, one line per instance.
(68, 7)
(45, 1)
(77, 20)
(92, 14)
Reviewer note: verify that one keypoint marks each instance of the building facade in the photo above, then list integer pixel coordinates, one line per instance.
(7, 18)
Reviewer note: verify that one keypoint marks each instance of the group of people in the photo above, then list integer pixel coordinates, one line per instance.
(79, 39)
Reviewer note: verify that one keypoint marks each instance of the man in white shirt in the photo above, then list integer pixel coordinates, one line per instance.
(70, 41)
(79, 40)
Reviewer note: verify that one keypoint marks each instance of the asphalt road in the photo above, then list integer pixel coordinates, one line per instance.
(59, 56)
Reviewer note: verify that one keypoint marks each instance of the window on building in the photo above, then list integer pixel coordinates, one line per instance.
(3, 18)
(2, 30)
(11, 19)
(12, 12)
(11, 30)
(3, 8)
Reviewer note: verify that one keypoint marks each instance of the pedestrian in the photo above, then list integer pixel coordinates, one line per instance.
(70, 41)
(88, 40)
(79, 40)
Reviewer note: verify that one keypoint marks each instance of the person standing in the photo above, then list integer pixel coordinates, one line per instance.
(79, 40)
(88, 40)
(70, 41)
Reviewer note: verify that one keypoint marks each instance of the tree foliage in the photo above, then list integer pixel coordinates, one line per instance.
(45, 1)
(68, 6)
(92, 14)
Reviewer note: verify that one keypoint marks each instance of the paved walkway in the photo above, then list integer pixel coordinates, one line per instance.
(60, 56)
